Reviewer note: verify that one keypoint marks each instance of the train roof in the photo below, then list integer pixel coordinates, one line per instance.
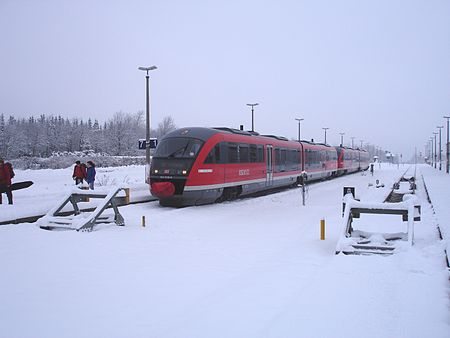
(196, 132)
(205, 133)
(350, 148)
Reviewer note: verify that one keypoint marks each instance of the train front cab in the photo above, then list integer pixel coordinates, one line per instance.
(174, 163)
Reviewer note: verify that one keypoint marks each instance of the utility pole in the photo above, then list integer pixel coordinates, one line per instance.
(325, 129)
(147, 113)
(299, 121)
(253, 114)
(447, 153)
(440, 147)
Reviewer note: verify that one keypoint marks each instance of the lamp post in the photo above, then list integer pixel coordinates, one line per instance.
(325, 129)
(432, 154)
(299, 121)
(447, 152)
(353, 139)
(147, 113)
(342, 139)
(435, 149)
(253, 114)
(440, 146)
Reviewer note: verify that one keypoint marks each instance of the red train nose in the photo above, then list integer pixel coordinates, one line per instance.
(162, 189)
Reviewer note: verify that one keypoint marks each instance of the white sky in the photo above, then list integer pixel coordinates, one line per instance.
(376, 70)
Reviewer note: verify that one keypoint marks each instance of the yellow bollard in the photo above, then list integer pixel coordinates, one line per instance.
(143, 221)
(322, 229)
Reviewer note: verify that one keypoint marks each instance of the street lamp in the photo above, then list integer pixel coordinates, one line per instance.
(432, 154)
(353, 139)
(440, 147)
(253, 115)
(299, 121)
(447, 153)
(147, 113)
(342, 139)
(435, 150)
(325, 129)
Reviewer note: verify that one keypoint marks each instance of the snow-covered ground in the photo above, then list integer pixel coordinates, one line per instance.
(248, 268)
(51, 185)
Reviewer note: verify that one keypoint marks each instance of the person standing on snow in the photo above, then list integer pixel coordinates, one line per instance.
(5, 180)
(79, 172)
(90, 174)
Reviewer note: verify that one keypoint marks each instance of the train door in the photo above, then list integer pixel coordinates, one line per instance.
(269, 165)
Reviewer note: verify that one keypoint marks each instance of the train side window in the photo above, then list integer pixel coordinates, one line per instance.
(243, 153)
(277, 159)
(214, 155)
(283, 160)
(293, 159)
(233, 153)
(260, 150)
(253, 154)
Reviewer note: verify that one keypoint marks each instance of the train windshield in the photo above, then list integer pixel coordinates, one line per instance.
(178, 147)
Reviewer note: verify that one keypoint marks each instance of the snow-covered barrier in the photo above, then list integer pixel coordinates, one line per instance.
(363, 242)
(83, 221)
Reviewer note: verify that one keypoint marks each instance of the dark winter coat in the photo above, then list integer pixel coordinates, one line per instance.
(79, 171)
(5, 175)
(90, 175)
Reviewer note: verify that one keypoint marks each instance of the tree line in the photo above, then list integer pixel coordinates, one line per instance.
(45, 135)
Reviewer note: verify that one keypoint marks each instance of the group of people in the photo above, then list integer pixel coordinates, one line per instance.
(84, 172)
(6, 175)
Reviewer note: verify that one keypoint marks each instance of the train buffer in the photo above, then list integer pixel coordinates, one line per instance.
(356, 241)
(57, 219)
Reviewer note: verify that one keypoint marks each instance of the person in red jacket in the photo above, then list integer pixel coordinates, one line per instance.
(79, 172)
(5, 181)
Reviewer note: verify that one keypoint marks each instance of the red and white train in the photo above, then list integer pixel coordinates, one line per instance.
(193, 166)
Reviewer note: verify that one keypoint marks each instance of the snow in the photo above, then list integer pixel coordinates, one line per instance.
(51, 185)
(248, 268)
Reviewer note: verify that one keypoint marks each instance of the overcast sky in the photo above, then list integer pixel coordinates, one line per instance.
(377, 70)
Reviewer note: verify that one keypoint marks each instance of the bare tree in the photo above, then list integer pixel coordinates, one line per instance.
(166, 126)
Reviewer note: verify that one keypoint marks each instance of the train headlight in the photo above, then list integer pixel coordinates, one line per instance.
(184, 172)
(155, 171)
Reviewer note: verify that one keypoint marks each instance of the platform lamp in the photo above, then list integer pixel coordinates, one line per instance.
(325, 130)
(432, 154)
(447, 152)
(147, 113)
(353, 141)
(342, 139)
(299, 122)
(440, 146)
(435, 150)
(253, 113)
